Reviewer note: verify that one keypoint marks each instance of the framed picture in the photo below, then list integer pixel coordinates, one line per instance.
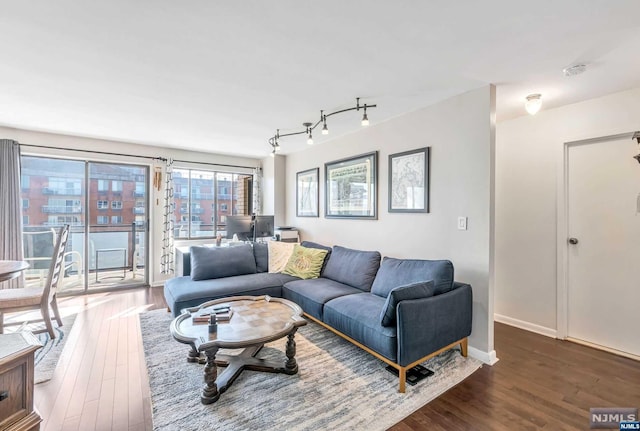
(351, 187)
(307, 193)
(409, 181)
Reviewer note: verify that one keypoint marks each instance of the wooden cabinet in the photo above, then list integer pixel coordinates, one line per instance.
(16, 382)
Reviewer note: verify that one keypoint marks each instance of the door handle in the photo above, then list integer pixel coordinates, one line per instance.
(573, 241)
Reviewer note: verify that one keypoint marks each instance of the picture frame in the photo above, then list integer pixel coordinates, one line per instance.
(307, 194)
(351, 187)
(409, 181)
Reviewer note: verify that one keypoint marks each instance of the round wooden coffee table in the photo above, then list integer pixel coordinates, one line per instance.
(255, 320)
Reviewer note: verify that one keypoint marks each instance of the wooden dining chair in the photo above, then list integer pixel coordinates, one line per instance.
(43, 297)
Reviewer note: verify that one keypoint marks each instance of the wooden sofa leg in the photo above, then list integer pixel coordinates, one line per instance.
(463, 347)
(402, 376)
(168, 310)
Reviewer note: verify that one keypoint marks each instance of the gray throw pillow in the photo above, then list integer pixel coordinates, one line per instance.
(423, 289)
(219, 262)
(354, 268)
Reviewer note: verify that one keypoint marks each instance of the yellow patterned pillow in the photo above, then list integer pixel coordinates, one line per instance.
(279, 254)
(305, 262)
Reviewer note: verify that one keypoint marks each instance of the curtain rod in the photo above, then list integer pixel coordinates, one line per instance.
(163, 159)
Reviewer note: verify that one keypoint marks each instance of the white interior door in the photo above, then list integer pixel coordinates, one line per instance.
(604, 264)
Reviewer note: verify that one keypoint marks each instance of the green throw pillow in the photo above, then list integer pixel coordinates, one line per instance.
(305, 262)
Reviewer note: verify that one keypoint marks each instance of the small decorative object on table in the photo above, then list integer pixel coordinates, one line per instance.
(213, 325)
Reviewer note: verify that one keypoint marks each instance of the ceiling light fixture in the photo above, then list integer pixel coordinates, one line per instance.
(325, 131)
(309, 138)
(365, 119)
(308, 127)
(636, 136)
(533, 103)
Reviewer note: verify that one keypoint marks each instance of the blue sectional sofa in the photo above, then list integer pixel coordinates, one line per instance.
(403, 311)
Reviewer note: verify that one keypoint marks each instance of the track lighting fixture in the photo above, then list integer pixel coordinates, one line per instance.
(308, 127)
(325, 131)
(309, 137)
(365, 119)
(636, 136)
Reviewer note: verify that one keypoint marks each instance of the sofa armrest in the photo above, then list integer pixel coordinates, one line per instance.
(429, 324)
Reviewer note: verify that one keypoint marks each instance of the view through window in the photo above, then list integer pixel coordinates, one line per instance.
(204, 199)
(105, 204)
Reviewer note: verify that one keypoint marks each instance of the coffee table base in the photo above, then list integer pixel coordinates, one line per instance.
(216, 384)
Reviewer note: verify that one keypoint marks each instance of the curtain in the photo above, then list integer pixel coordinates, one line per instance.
(166, 260)
(11, 207)
(257, 191)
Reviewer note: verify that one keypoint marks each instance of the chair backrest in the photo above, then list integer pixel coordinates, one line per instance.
(38, 247)
(56, 268)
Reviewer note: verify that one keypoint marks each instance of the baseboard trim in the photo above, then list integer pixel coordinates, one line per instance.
(527, 326)
(488, 358)
(157, 284)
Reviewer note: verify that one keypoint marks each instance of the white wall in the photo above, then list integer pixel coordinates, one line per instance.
(156, 199)
(461, 136)
(528, 168)
(273, 188)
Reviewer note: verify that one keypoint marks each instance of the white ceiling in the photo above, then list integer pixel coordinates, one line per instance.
(221, 76)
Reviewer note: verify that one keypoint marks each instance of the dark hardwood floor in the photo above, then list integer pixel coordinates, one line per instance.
(538, 384)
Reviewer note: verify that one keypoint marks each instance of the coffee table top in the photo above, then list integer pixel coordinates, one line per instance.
(255, 320)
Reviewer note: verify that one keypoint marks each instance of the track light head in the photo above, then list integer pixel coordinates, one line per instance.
(636, 136)
(365, 119)
(325, 130)
(273, 153)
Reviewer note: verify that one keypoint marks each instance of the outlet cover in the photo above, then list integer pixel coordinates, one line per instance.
(462, 223)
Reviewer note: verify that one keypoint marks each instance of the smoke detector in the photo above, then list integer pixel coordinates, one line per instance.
(574, 70)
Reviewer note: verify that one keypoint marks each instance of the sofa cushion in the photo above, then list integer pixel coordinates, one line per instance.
(311, 244)
(305, 263)
(400, 272)
(279, 254)
(261, 254)
(219, 262)
(352, 267)
(182, 292)
(358, 316)
(311, 295)
(423, 289)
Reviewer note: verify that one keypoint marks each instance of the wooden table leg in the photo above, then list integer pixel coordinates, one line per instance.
(291, 366)
(210, 392)
(195, 356)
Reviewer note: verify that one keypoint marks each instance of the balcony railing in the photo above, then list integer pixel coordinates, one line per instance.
(61, 209)
(202, 196)
(51, 191)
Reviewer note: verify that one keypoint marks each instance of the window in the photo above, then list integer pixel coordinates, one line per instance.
(64, 186)
(103, 185)
(116, 205)
(140, 189)
(25, 203)
(25, 220)
(103, 219)
(116, 219)
(103, 205)
(25, 182)
(199, 195)
(140, 221)
(116, 186)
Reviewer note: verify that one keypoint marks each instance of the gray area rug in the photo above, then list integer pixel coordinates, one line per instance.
(46, 358)
(338, 386)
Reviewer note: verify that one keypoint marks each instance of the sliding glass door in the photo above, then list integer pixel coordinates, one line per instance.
(106, 205)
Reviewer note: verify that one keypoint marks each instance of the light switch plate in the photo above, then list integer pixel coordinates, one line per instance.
(462, 223)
